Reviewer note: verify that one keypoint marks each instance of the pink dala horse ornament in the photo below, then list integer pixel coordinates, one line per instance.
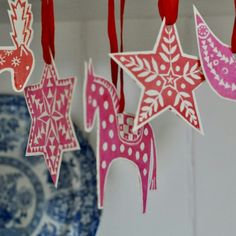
(19, 59)
(116, 138)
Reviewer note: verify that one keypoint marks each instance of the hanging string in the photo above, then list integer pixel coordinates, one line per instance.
(122, 94)
(233, 40)
(48, 30)
(168, 9)
(112, 35)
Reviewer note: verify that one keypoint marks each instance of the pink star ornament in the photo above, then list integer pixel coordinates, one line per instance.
(167, 77)
(52, 131)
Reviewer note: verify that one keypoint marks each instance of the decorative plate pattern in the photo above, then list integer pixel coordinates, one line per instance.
(29, 203)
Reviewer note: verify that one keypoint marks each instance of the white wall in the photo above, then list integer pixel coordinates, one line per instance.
(196, 175)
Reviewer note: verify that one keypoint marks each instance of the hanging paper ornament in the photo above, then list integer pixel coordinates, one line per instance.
(49, 104)
(51, 131)
(217, 59)
(19, 59)
(116, 138)
(167, 77)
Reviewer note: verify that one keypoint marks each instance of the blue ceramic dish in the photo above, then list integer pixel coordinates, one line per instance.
(29, 203)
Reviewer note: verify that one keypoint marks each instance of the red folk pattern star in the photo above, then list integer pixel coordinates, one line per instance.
(51, 131)
(167, 78)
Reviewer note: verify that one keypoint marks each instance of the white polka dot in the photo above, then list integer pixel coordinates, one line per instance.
(113, 148)
(142, 146)
(90, 99)
(106, 105)
(158, 83)
(111, 118)
(101, 91)
(183, 86)
(130, 121)
(144, 172)
(111, 134)
(169, 93)
(104, 147)
(145, 158)
(163, 67)
(94, 102)
(146, 132)
(122, 148)
(137, 155)
(177, 68)
(93, 87)
(130, 151)
(104, 124)
(216, 62)
(104, 165)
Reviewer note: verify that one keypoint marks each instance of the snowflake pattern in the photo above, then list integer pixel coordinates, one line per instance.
(8, 52)
(2, 60)
(167, 77)
(52, 131)
(15, 61)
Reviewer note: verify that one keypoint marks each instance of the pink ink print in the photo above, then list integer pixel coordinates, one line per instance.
(116, 138)
(217, 59)
(52, 130)
(167, 77)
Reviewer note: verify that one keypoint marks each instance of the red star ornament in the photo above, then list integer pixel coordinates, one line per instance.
(51, 130)
(167, 77)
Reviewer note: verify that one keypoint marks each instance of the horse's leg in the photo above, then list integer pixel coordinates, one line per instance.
(144, 181)
(103, 171)
(153, 185)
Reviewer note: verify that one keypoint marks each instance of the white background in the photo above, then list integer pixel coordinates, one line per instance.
(196, 174)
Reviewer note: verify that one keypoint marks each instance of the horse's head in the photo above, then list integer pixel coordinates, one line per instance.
(90, 97)
(22, 65)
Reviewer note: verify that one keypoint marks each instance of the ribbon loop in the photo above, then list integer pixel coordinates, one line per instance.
(168, 9)
(112, 35)
(48, 30)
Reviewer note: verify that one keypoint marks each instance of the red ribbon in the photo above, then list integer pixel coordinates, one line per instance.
(169, 10)
(112, 35)
(48, 30)
(233, 40)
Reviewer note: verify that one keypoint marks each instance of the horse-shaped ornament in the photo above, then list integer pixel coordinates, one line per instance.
(116, 138)
(19, 59)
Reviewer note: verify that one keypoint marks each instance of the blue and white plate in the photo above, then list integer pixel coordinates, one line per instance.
(29, 203)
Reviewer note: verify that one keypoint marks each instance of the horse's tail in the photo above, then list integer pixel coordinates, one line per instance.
(153, 185)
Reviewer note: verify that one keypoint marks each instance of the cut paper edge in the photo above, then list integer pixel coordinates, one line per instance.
(197, 14)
